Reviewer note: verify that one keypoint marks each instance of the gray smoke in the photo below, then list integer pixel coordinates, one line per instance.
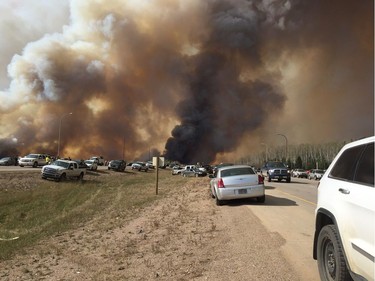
(200, 79)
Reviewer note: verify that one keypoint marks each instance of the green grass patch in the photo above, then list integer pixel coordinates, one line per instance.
(51, 208)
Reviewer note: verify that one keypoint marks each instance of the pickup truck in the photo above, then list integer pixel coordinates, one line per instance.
(99, 159)
(276, 170)
(61, 170)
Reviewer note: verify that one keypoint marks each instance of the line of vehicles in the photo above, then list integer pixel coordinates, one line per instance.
(66, 168)
(344, 238)
(344, 244)
(314, 174)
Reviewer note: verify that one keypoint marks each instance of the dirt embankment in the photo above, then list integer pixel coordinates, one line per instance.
(182, 237)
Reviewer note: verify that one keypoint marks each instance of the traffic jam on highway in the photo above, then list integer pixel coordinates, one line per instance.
(343, 245)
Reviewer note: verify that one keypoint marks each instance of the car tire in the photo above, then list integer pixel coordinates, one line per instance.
(269, 179)
(212, 195)
(330, 256)
(261, 199)
(288, 180)
(80, 177)
(62, 177)
(219, 202)
(35, 164)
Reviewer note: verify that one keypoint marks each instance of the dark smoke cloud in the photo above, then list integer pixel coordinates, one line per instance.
(198, 79)
(222, 108)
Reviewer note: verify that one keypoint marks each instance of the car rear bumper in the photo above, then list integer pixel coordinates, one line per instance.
(238, 193)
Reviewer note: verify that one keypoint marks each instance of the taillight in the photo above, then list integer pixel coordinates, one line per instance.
(220, 183)
(260, 179)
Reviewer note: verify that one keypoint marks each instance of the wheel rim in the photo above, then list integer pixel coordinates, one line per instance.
(330, 259)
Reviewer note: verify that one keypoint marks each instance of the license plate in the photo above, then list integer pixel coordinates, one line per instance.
(242, 191)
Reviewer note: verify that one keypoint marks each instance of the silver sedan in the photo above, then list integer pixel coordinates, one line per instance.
(237, 182)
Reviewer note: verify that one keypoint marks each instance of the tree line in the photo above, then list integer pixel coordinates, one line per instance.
(303, 156)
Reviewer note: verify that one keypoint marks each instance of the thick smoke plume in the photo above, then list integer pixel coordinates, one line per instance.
(195, 80)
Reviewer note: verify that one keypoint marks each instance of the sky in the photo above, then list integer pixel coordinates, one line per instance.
(196, 81)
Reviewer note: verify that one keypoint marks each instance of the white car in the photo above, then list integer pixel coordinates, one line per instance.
(92, 165)
(98, 159)
(316, 174)
(176, 170)
(140, 166)
(344, 240)
(299, 173)
(237, 182)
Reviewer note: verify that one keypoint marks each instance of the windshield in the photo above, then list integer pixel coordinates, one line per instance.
(5, 159)
(276, 165)
(61, 164)
(32, 156)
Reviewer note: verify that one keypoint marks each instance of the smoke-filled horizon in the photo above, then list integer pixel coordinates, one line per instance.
(196, 81)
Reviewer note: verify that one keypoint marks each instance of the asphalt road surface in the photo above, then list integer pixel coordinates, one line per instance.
(289, 211)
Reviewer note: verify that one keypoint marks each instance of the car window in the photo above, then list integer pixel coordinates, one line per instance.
(32, 156)
(237, 171)
(346, 164)
(365, 169)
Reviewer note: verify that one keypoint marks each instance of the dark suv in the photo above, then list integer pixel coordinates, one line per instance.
(276, 170)
(117, 165)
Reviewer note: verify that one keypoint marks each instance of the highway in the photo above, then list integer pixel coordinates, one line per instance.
(289, 211)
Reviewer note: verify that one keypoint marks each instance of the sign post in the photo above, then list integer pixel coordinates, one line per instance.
(156, 161)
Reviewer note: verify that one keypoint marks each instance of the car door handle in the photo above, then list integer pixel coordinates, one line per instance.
(344, 191)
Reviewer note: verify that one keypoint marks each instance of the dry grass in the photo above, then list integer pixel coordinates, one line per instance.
(32, 209)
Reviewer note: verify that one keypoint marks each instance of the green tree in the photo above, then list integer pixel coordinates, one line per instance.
(298, 163)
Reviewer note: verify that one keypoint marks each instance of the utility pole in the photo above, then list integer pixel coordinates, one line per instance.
(266, 150)
(58, 144)
(286, 146)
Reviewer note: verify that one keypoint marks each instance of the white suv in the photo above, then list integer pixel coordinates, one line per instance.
(344, 241)
(33, 160)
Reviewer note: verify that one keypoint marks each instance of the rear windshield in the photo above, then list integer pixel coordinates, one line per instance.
(237, 172)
